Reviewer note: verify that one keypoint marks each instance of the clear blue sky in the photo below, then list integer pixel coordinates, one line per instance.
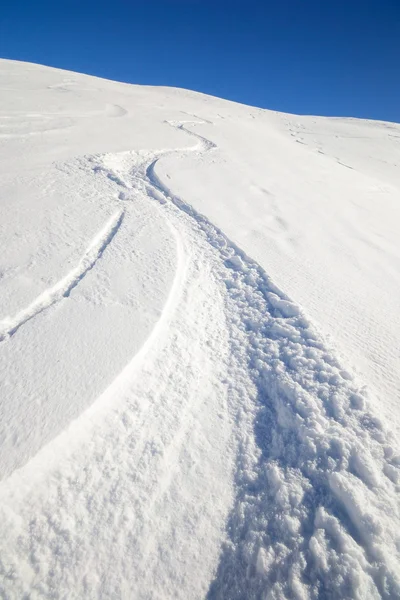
(304, 56)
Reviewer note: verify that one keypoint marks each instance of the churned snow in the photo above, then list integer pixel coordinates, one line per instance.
(199, 346)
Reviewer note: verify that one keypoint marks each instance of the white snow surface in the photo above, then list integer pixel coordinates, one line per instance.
(199, 346)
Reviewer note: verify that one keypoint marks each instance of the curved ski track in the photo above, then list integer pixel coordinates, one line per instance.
(64, 287)
(317, 474)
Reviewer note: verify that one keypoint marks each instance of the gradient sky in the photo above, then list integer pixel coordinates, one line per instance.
(315, 57)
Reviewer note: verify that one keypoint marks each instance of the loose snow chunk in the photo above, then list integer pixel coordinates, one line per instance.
(354, 501)
(236, 263)
(287, 308)
(364, 468)
(264, 560)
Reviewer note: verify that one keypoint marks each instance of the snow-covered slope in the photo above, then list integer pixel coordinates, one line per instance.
(199, 346)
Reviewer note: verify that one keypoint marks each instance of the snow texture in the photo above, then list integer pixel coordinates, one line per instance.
(173, 424)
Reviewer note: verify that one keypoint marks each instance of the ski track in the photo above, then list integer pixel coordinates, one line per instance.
(317, 473)
(62, 289)
(315, 513)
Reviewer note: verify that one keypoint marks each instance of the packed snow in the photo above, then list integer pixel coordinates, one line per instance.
(199, 346)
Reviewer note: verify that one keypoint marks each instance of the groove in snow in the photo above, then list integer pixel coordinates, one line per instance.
(64, 287)
(317, 473)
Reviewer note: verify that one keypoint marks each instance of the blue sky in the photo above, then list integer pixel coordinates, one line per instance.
(302, 56)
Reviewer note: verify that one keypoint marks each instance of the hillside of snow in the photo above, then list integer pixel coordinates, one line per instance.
(199, 346)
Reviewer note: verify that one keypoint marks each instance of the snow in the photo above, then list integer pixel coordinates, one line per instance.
(199, 346)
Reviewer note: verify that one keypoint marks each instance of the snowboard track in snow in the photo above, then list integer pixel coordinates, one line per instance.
(63, 288)
(316, 471)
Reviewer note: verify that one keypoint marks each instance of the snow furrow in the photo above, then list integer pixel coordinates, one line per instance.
(62, 289)
(317, 473)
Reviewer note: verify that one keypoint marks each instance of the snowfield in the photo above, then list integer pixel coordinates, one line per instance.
(199, 346)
